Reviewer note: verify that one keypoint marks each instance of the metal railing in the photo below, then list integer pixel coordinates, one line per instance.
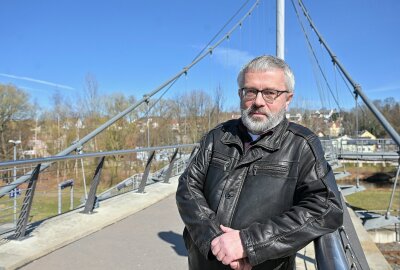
(339, 245)
(340, 146)
(341, 249)
(17, 229)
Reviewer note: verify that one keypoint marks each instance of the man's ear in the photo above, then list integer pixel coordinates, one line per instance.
(289, 97)
(240, 93)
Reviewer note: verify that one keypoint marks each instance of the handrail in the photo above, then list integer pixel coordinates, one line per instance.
(330, 244)
(92, 154)
(48, 160)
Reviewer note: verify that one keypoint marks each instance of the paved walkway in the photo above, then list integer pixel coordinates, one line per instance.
(149, 239)
(132, 231)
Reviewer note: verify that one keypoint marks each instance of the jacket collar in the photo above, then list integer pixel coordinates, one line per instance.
(235, 134)
(271, 140)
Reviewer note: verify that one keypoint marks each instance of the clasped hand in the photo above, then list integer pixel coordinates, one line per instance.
(228, 249)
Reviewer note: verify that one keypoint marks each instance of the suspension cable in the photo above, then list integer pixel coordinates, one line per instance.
(336, 86)
(393, 191)
(315, 57)
(348, 87)
(222, 29)
(388, 127)
(111, 121)
(356, 138)
(158, 100)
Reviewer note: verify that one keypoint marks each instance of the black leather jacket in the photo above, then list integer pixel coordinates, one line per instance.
(279, 192)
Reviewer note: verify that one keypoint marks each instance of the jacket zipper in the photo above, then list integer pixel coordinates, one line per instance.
(222, 162)
(237, 197)
(278, 168)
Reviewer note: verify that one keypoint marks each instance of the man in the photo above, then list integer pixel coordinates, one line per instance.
(259, 188)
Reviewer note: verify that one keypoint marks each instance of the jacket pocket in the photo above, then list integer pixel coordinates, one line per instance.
(221, 162)
(266, 169)
(216, 178)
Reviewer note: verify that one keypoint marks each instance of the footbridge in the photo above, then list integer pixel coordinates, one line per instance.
(116, 209)
(135, 223)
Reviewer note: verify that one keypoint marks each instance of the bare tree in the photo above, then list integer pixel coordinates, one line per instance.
(91, 108)
(91, 96)
(195, 104)
(14, 106)
(216, 108)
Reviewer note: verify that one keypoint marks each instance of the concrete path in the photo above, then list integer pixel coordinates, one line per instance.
(132, 231)
(149, 239)
(63, 230)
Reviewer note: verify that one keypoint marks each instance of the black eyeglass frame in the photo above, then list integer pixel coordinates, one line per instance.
(256, 91)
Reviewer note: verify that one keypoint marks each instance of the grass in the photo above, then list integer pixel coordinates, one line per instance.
(45, 202)
(367, 168)
(378, 192)
(373, 199)
(44, 205)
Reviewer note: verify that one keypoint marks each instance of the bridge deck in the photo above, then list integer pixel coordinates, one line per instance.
(132, 231)
(149, 239)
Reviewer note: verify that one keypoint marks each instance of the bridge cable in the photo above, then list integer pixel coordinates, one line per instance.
(393, 191)
(357, 92)
(222, 29)
(322, 63)
(146, 114)
(352, 93)
(357, 88)
(337, 94)
(316, 77)
(336, 82)
(334, 62)
(356, 139)
(315, 57)
(111, 121)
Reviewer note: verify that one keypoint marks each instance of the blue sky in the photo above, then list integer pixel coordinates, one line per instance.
(134, 46)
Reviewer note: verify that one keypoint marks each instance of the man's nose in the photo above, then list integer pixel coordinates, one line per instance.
(259, 100)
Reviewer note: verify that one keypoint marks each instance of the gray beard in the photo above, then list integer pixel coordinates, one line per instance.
(259, 127)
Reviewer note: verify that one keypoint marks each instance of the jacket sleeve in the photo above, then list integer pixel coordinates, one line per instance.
(316, 211)
(199, 219)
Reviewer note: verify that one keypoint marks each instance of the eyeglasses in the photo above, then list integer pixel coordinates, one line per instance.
(269, 95)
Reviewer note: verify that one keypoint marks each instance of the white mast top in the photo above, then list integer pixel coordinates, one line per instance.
(280, 29)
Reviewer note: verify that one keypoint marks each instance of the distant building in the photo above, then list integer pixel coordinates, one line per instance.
(335, 129)
(235, 116)
(367, 134)
(326, 114)
(365, 143)
(38, 149)
(294, 117)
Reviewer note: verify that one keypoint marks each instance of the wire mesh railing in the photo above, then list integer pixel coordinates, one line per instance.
(132, 182)
(341, 147)
(72, 182)
(61, 188)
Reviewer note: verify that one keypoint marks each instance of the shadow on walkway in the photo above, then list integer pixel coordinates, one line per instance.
(176, 242)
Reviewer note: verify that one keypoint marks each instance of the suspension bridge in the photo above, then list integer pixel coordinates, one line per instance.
(135, 224)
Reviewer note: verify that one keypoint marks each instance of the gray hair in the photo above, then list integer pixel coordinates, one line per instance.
(267, 63)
